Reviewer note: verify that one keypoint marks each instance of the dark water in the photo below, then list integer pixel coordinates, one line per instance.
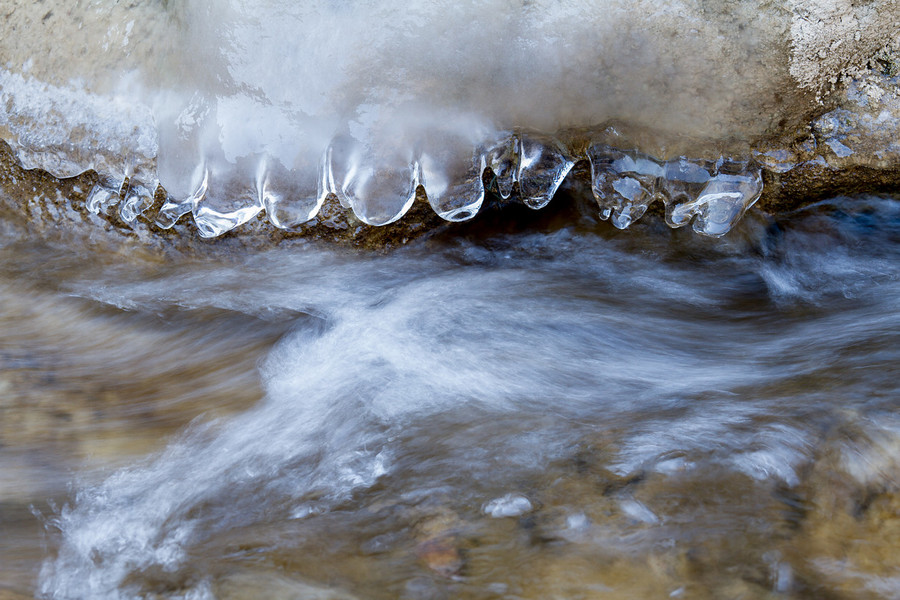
(567, 412)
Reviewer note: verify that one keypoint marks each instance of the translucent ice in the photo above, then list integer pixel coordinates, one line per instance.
(149, 90)
(101, 198)
(137, 199)
(624, 183)
(66, 130)
(503, 159)
(291, 197)
(722, 201)
(223, 200)
(714, 195)
(172, 210)
(380, 186)
(452, 168)
(542, 167)
(680, 186)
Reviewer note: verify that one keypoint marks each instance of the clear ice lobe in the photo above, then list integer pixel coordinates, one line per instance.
(101, 198)
(503, 159)
(223, 201)
(380, 187)
(682, 182)
(624, 183)
(726, 198)
(715, 201)
(452, 175)
(542, 168)
(293, 197)
(171, 211)
(138, 198)
(711, 195)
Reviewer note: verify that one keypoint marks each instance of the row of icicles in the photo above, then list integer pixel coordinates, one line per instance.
(712, 194)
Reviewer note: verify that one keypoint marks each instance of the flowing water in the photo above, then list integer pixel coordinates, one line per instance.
(529, 405)
(554, 412)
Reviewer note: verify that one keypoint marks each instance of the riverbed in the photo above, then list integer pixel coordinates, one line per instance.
(553, 409)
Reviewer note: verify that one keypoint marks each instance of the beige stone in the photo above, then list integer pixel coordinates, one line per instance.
(849, 538)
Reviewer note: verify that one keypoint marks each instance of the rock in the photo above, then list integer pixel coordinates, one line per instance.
(67, 400)
(668, 532)
(510, 505)
(438, 542)
(851, 149)
(795, 82)
(573, 575)
(828, 38)
(442, 555)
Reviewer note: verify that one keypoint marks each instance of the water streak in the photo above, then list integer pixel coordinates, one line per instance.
(481, 370)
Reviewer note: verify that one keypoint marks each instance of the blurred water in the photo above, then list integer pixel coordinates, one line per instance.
(557, 411)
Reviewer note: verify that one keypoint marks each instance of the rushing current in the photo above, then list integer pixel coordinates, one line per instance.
(530, 404)
(564, 411)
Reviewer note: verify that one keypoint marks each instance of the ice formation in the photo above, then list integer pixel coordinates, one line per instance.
(236, 107)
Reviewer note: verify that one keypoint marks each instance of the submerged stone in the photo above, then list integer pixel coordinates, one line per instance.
(849, 536)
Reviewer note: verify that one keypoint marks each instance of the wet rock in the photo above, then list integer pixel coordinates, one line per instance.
(778, 67)
(510, 505)
(439, 545)
(661, 532)
(442, 555)
(68, 401)
(572, 575)
(851, 149)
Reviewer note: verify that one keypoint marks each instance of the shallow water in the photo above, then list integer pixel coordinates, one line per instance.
(560, 412)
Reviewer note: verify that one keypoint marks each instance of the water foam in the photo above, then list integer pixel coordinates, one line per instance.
(424, 376)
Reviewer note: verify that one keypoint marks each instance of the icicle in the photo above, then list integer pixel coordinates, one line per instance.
(624, 183)
(291, 197)
(223, 201)
(379, 187)
(503, 159)
(137, 199)
(452, 175)
(542, 168)
(725, 199)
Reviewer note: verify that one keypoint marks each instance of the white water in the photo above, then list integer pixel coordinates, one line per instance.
(463, 377)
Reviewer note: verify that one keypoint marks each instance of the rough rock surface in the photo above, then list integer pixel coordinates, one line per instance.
(829, 66)
(832, 39)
